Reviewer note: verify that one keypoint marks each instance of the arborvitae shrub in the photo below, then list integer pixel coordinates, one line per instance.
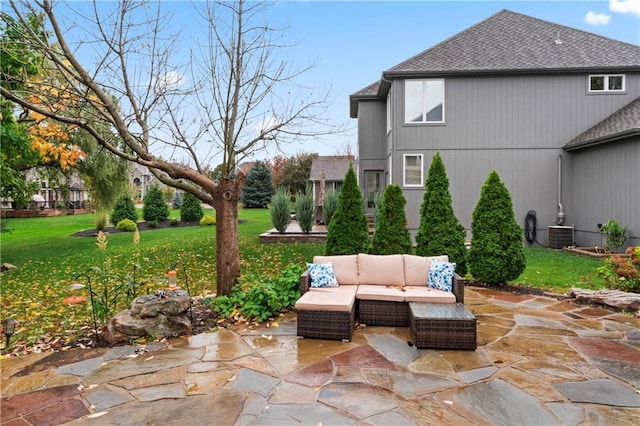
(176, 202)
(348, 232)
(126, 225)
(305, 210)
(440, 232)
(191, 209)
(391, 235)
(258, 188)
(154, 206)
(124, 209)
(496, 255)
(280, 210)
(329, 206)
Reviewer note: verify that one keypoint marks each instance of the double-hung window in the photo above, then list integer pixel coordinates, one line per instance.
(424, 101)
(412, 172)
(606, 83)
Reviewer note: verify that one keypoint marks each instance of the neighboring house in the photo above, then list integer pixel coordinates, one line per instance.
(141, 179)
(334, 169)
(51, 194)
(245, 167)
(554, 110)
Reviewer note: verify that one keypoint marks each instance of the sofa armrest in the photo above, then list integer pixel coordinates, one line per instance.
(305, 282)
(457, 287)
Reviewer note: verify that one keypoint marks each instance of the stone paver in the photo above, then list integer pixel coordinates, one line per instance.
(539, 361)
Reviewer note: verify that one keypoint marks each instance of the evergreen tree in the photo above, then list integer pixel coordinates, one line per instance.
(176, 202)
(348, 232)
(440, 232)
(191, 209)
(496, 254)
(124, 209)
(280, 210)
(329, 206)
(258, 188)
(306, 210)
(391, 235)
(154, 206)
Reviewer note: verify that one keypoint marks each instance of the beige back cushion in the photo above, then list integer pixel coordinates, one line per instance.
(345, 267)
(380, 270)
(416, 268)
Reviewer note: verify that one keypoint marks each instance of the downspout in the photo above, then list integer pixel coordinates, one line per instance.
(560, 217)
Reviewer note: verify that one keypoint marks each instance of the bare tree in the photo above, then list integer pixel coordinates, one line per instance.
(232, 96)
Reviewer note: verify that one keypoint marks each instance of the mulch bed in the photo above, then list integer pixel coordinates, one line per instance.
(142, 226)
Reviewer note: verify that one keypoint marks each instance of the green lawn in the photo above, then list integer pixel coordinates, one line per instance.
(48, 258)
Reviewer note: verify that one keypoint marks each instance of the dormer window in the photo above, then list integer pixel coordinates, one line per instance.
(606, 83)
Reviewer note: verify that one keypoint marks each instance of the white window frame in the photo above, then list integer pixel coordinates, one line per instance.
(423, 98)
(404, 171)
(605, 88)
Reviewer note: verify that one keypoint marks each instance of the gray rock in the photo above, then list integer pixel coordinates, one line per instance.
(501, 403)
(619, 300)
(603, 391)
(174, 303)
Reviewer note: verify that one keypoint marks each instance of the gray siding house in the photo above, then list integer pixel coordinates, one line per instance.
(554, 110)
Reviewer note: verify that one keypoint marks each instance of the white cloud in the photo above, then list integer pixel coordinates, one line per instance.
(625, 6)
(593, 18)
(169, 80)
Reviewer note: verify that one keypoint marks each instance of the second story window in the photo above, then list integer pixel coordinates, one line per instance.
(606, 83)
(424, 101)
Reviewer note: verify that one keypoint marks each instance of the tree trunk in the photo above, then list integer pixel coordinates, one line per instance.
(227, 244)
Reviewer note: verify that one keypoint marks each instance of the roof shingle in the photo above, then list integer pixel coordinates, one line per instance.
(622, 123)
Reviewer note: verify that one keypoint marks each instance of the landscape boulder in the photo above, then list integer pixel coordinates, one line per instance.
(158, 315)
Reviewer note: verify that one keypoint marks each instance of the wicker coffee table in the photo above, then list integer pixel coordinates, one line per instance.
(439, 325)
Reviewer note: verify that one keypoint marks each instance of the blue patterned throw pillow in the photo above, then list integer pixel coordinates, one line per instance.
(322, 275)
(441, 275)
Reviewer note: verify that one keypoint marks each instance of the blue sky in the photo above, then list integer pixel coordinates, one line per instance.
(354, 41)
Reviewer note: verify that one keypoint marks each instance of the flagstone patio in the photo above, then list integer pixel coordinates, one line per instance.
(540, 361)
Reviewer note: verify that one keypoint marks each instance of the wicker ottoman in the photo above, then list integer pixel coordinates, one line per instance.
(442, 325)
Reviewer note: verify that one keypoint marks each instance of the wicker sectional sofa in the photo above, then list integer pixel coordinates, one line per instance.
(373, 289)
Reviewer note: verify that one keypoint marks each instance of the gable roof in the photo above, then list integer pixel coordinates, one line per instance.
(509, 42)
(334, 168)
(621, 124)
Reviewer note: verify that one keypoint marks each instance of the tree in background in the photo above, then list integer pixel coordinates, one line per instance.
(306, 210)
(496, 255)
(234, 104)
(176, 202)
(439, 231)
(295, 173)
(348, 232)
(258, 189)
(391, 235)
(155, 209)
(280, 210)
(191, 209)
(124, 209)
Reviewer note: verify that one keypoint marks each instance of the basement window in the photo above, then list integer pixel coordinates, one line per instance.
(606, 83)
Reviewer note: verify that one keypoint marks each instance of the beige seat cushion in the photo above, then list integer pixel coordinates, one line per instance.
(416, 268)
(428, 295)
(379, 292)
(335, 299)
(380, 270)
(345, 267)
